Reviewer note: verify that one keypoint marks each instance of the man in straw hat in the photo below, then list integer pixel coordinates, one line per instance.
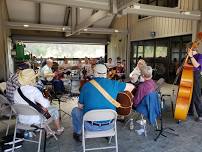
(27, 79)
(91, 99)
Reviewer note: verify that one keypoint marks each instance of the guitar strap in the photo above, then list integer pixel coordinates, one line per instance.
(39, 109)
(105, 94)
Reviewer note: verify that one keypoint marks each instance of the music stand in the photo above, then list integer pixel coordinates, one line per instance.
(163, 130)
(57, 95)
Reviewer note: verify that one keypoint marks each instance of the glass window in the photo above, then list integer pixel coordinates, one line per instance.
(140, 51)
(149, 51)
(175, 48)
(161, 51)
(46, 50)
(162, 48)
(175, 55)
(134, 51)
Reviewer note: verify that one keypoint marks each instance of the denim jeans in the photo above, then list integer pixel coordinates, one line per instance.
(77, 120)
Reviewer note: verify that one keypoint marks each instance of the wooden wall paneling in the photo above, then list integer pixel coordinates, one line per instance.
(4, 70)
(182, 4)
(190, 5)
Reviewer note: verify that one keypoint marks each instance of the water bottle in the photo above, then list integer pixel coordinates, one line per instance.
(26, 134)
(30, 135)
(131, 124)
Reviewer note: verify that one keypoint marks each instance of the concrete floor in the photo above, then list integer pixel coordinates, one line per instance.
(189, 139)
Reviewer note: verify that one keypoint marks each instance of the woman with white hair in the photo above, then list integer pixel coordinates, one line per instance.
(145, 87)
(27, 79)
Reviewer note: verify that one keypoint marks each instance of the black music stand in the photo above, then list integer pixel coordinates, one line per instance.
(57, 95)
(163, 130)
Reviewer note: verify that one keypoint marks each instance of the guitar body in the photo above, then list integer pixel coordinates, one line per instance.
(125, 99)
(111, 73)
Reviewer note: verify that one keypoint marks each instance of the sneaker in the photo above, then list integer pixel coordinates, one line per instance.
(198, 119)
(77, 137)
(141, 122)
(59, 131)
(140, 131)
(50, 134)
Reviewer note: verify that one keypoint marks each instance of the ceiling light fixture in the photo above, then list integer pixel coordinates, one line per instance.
(116, 31)
(185, 13)
(85, 29)
(63, 29)
(26, 25)
(136, 6)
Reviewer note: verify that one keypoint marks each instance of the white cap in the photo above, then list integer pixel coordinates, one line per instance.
(100, 69)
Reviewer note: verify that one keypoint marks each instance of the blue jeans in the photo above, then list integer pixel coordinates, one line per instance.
(77, 120)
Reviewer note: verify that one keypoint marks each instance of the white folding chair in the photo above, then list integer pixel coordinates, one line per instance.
(26, 110)
(5, 110)
(100, 115)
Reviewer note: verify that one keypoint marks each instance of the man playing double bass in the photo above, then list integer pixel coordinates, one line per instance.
(196, 60)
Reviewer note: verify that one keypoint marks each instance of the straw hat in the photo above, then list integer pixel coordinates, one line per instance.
(27, 77)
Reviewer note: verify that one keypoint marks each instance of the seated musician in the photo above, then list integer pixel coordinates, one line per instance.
(90, 99)
(27, 79)
(120, 73)
(110, 64)
(135, 75)
(46, 73)
(66, 67)
(111, 68)
(58, 84)
(87, 70)
(145, 87)
(65, 64)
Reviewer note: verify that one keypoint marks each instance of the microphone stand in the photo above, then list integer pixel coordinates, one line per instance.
(162, 129)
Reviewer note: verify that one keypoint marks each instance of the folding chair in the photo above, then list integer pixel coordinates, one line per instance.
(5, 110)
(26, 110)
(149, 108)
(100, 115)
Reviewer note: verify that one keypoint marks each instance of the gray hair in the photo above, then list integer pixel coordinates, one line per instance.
(99, 75)
(49, 61)
(146, 71)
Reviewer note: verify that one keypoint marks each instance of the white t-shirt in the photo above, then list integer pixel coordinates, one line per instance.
(135, 74)
(45, 70)
(33, 94)
(110, 65)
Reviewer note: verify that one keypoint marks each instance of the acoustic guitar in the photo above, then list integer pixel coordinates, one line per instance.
(111, 73)
(125, 99)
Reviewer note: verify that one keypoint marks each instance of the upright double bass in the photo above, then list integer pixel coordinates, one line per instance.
(186, 85)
